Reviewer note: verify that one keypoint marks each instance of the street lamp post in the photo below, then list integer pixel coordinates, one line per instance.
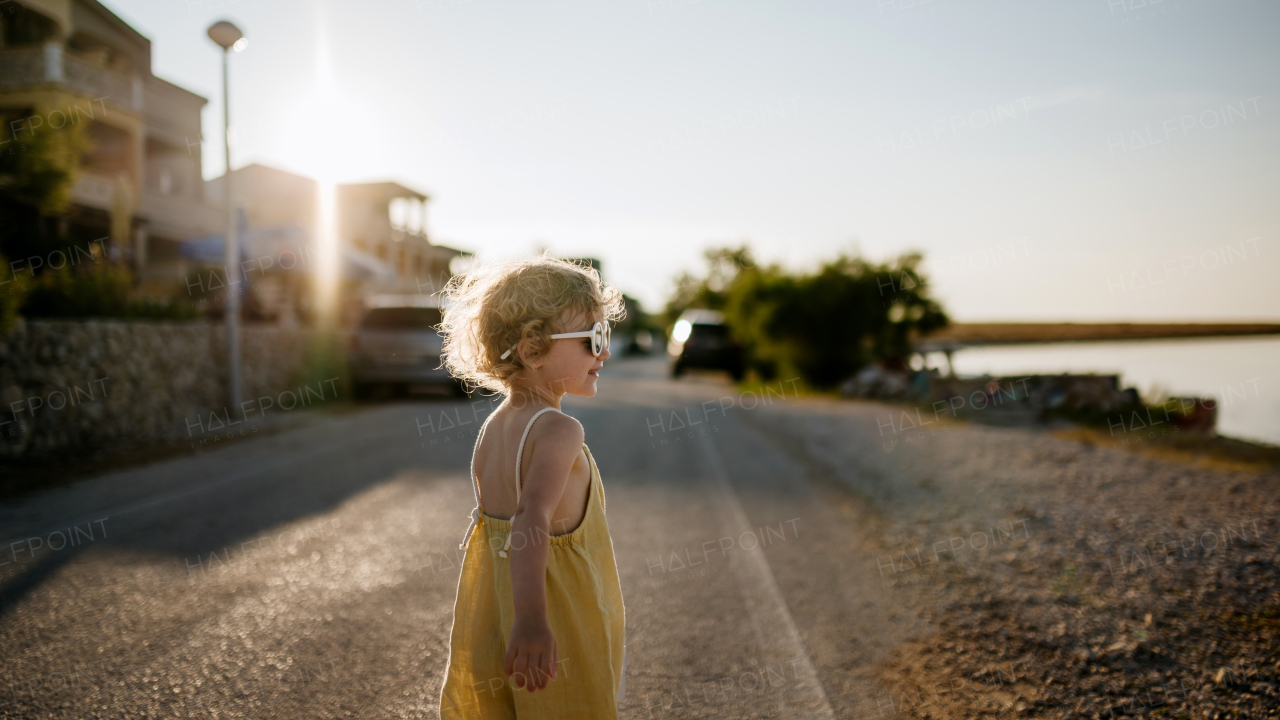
(229, 37)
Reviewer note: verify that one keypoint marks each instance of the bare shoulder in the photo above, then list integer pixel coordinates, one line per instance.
(558, 433)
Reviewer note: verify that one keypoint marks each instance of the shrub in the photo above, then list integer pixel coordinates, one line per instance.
(103, 292)
(11, 297)
(822, 326)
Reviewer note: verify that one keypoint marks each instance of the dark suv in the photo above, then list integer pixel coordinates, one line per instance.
(701, 340)
(396, 344)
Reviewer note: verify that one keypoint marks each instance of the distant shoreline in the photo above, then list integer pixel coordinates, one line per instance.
(970, 334)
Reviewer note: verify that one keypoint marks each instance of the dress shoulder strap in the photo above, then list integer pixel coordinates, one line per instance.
(520, 448)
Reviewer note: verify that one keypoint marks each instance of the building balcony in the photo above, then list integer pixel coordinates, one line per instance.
(51, 65)
(168, 216)
(94, 191)
(22, 68)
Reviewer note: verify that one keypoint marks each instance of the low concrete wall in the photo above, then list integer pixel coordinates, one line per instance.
(76, 384)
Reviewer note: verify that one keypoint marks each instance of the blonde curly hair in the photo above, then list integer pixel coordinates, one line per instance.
(494, 307)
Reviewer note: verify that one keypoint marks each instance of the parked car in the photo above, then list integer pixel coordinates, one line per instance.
(641, 343)
(701, 340)
(397, 344)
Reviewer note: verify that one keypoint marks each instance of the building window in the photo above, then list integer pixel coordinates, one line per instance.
(406, 215)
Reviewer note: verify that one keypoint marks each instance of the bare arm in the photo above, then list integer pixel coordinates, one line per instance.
(553, 446)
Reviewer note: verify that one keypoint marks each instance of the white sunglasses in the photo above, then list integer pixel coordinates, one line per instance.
(599, 334)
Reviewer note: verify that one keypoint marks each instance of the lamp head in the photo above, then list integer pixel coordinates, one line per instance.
(226, 35)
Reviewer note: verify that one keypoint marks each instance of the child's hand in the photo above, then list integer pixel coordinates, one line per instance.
(531, 654)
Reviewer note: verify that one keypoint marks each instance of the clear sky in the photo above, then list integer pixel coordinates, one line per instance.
(1067, 160)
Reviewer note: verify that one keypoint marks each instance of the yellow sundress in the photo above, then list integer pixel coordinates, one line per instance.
(584, 609)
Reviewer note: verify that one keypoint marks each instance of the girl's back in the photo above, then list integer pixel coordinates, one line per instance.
(495, 462)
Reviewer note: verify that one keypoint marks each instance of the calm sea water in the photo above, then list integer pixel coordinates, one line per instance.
(1243, 374)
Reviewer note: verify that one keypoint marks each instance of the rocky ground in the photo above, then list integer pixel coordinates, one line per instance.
(1061, 578)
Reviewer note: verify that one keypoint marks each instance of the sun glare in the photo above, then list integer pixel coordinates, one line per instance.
(327, 247)
(307, 135)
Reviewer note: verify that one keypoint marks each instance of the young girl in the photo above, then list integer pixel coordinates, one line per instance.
(538, 626)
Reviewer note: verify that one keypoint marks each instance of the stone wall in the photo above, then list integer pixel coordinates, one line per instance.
(77, 384)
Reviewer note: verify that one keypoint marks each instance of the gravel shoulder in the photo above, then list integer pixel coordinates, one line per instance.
(1059, 578)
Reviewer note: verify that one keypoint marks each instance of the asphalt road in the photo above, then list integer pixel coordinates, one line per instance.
(312, 573)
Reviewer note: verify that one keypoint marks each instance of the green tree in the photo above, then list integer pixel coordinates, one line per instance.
(822, 326)
(40, 168)
(37, 171)
(710, 291)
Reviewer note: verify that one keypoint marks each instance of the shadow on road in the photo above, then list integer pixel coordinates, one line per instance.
(196, 505)
(204, 508)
